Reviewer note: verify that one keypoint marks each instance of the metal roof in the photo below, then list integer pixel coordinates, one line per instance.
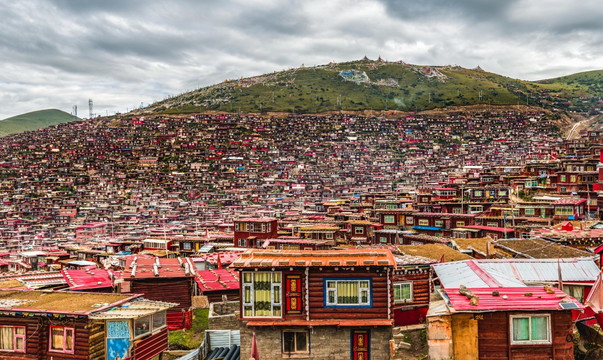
(133, 310)
(530, 298)
(514, 272)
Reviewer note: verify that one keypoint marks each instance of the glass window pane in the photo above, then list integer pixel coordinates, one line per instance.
(397, 292)
(6, 338)
(300, 341)
(277, 295)
(68, 340)
(288, 342)
(540, 328)
(56, 338)
(521, 329)
(19, 343)
(20, 330)
(247, 277)
(406, 291)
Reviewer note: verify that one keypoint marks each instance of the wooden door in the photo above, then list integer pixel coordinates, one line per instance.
(293, 294)
(360, 344)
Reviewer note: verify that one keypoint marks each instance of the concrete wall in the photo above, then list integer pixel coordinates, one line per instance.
(326, 343)
(224, 316)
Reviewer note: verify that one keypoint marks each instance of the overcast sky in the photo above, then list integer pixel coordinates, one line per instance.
(121, 53)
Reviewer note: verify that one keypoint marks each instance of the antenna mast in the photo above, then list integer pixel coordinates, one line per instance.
(90, 108)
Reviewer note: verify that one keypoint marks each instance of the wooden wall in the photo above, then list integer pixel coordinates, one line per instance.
(151, 346)
(32, 339)
(379, 310)
(97, 340)
(176, 290)
(494, 342)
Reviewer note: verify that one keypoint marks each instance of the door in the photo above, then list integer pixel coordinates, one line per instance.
(293, 294)
(360, 345)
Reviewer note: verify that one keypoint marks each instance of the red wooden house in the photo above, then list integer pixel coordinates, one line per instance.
(320, 304)
(249, 233)
(62, 325)
(164, 279)
(411, 289)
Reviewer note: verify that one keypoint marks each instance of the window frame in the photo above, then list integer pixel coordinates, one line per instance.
(389, 219)
(423, 222)
(15, 337)
(403, 301)
(65, 329)
(359, 305)
(149, 330)
(358, 230)
(273, 285)
(548, 341)
(295, 352)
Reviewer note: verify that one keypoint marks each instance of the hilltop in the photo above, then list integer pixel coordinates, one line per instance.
(34, 120)
(380, 85)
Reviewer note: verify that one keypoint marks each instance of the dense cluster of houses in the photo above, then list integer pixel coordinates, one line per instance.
(325, 232)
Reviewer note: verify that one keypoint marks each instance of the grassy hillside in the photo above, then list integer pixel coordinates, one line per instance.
(377, 85)
(34, 120)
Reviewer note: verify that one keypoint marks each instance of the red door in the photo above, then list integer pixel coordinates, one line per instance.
(293, 294)
(360, 345)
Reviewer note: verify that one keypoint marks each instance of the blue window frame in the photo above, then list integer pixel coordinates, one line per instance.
(348, 293)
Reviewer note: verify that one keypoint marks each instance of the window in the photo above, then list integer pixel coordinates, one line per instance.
(329, 236)
(530, 212)
(142, 326)
(502, 193)
(403, 292)
(358, 230)
(460, 223)
(410, 220)
(186, 245)
(530, 329)
(388, 219)
(493, 224)
(573, 178)
(159, 320)
(269, 227)
(564, 210)
(575, 291)
(263, 228)
(562, 178)
(251, 228)
(12, 338)
(439, 223)
(457, 211)
(295, 341)
(348, 293)
(382, 239)
(236, 226)
(61, 339)
(423, 222)
(242, 243)
(477, 193)
(262, 294)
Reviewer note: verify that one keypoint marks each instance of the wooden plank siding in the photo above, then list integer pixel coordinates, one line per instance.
(494, 338)
(33, 347)
(173, 290)
(151, 346)
(380, 299)
(97, 340)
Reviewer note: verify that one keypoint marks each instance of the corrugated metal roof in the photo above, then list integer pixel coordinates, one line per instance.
(133, 310)
(514, 272)
(510, 298)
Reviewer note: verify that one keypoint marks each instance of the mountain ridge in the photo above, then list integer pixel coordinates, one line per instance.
(34, 120)
(380, 85)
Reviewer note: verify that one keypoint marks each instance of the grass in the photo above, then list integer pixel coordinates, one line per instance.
(190, 339)
(320, 89)
(34, 120)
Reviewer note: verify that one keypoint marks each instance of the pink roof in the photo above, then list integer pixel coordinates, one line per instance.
(226, 258)
(214, 280)
(569, 201)
(516, 299)
(88, 279)
(489, 228)
(256, 220)
(170, 268)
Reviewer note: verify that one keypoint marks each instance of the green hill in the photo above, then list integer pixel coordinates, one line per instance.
(34, 120)
(379, 85)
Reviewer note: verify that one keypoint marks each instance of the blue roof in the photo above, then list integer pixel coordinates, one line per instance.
(432, 228)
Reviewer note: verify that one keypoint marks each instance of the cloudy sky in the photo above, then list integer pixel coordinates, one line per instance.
(124, 53)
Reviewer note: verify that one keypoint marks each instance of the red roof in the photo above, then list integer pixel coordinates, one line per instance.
(315, 258)
(88, 279)
(489, 228)
(516, 299)
(226, 258)
(256, 220)
(569, 201)
(169, 268)
(214, 280)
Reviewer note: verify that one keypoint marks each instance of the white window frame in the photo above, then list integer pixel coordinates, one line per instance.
(274, 286)
(389, 219)
(358, 230)
(329, 290)
(411, 292)
(530, 342)
(530, 211)
(423, 222)
(457, 210)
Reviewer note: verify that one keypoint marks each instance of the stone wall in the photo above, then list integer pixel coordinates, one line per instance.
(224, 316)
(326, 343)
